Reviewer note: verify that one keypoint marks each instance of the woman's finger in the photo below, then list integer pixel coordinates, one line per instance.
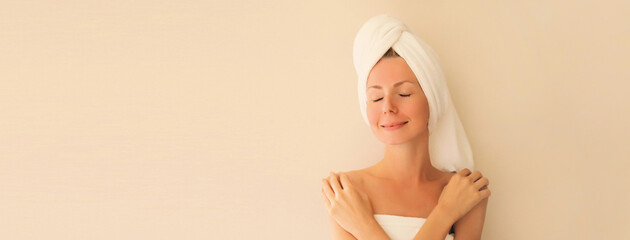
(474, 176)
(345, 182)
(464, 172)
(325, 198)
(479, 184)
(485, 193)
(328, 191)
(334, 183)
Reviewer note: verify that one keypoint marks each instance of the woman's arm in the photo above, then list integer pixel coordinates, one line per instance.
(470, 225)
(463, 200)
(349, 210)
(436, 226)
(338, 233)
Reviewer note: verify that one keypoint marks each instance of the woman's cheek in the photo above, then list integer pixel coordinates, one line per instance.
(420, 109)
(372, 115)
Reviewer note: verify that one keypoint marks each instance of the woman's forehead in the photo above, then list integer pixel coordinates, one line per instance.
(394, 85)
(390, 71)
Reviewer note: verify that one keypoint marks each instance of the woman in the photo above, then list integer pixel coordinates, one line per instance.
(415, 191)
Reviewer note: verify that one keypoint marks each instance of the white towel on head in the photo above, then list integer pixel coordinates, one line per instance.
(449, 148)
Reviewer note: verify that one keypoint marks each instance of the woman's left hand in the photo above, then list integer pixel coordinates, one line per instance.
(349, 206)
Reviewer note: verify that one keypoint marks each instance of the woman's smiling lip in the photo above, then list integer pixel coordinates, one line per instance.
(394, 126)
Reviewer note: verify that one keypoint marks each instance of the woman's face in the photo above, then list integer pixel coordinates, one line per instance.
(394, 96)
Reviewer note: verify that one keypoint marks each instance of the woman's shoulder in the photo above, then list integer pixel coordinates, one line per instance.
(358, 176)
(449, 174)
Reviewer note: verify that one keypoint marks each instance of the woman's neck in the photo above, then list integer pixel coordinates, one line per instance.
(408, 164)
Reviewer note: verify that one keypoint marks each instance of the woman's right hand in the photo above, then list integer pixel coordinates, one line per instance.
(464, 191)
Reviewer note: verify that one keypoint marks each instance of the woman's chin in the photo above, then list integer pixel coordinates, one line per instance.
(397, 139)
(394, 140)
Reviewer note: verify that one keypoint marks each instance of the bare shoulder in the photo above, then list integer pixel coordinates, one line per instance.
(447, 177)
(356, 176)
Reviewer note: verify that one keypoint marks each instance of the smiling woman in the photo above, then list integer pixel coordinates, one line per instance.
(395, 103)
(423, 188)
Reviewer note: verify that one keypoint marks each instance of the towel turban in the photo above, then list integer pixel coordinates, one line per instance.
(449, 148)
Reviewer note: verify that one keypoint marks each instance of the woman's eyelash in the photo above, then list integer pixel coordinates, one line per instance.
(402, 95)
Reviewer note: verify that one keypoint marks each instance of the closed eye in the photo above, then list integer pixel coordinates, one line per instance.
(402, 95)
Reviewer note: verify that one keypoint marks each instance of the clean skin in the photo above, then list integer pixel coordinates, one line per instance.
(398, 113)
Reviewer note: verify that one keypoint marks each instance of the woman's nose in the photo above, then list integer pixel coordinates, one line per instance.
(388, 106)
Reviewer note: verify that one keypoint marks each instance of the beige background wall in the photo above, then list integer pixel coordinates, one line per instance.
(217, 120)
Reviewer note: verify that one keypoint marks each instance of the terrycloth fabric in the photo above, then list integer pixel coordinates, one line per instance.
(449, 148)
(401, 227)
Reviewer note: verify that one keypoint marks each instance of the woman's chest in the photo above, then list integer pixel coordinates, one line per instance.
(412, 202)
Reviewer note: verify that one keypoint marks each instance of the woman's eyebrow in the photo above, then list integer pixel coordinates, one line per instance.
(395, 85)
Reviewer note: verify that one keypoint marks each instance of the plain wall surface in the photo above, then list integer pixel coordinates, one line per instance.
(217, 120)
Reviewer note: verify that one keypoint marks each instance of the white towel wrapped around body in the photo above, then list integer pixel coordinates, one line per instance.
(449, 148)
